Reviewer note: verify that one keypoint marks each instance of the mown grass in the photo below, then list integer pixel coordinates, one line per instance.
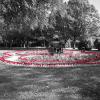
(27, 83)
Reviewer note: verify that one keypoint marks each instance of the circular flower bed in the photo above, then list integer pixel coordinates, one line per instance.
(42, 58)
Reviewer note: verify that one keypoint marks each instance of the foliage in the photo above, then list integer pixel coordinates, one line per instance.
(92, 20)
(72, 19)
(86, 17)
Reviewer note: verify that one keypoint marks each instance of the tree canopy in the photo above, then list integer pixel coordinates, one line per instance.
(72, 19)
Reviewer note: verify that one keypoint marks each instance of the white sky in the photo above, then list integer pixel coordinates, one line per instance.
(96, 3)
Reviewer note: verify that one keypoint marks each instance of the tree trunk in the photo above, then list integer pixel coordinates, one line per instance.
(5, 43)
(24, 45)
(74, 46)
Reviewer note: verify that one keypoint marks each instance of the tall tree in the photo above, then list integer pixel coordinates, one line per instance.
(86, 18)
(78, 9)
(29, 13)
(92, 20)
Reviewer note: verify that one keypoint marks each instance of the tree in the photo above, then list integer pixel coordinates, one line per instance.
(76, 18)
(92, 20)
(86, 18)
(28, 13)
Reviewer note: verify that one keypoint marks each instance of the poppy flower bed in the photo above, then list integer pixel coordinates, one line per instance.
(42, 58)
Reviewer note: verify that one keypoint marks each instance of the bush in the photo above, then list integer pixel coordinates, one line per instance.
(97, 44)
(84, 45)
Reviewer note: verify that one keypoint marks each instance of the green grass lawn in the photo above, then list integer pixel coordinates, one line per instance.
(27, 83)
